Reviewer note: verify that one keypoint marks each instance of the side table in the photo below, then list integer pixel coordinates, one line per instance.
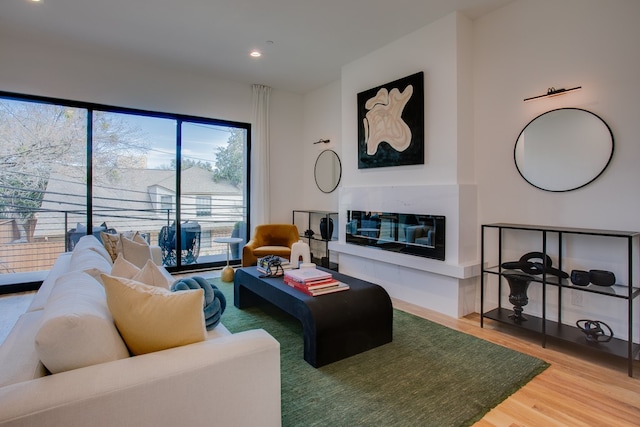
(227, 272)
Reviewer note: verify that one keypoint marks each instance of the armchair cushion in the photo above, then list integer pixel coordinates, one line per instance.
(270, 239)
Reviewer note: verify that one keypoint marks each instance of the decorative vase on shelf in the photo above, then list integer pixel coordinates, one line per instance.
(326, 231)
(518, 285)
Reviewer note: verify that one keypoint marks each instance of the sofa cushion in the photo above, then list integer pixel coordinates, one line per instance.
(89, 259)
(77, 329)
(91, 242)
(60, 267)
(151, 318)
(20, 361)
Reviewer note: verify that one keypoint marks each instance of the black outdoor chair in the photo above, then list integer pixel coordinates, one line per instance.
(189, 247)
(74, 234)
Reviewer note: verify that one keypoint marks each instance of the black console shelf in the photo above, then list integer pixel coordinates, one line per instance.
(615, 347)
(556, 329)
(308, 223)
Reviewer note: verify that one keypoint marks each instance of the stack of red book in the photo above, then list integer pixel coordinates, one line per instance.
(313, 282)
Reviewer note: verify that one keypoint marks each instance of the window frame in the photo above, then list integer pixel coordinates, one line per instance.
(179, 118)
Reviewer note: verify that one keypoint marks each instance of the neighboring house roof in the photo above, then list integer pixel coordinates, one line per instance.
(123, 199)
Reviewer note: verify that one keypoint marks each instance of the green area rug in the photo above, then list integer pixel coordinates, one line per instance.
(429, 375)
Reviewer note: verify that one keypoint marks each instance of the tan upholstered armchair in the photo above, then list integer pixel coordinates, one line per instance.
(269, 239)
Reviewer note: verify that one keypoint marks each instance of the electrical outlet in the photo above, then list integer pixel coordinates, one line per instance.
(576, 298)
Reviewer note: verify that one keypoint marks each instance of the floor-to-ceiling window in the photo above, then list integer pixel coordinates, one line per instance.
(212, 177)
(69, 168)
(43, 164)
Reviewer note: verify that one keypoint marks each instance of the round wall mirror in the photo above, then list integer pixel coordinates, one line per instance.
(328, 171)
(563, 149)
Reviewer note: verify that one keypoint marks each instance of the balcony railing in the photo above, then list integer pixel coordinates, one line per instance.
(34, 244)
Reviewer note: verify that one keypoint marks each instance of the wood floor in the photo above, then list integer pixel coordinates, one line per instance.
(578, 389)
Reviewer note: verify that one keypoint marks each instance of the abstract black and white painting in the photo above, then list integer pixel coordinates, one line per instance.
(391, 124)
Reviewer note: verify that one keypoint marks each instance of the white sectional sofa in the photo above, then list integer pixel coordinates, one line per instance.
(227, 379)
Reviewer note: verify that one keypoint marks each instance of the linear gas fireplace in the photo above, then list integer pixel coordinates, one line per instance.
(413, 234)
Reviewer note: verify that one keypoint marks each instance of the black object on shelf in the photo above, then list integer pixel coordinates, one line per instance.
(326, 227)
(580, 277)
(602, 277)
(593, 330)
(518, 285)
(318, 231)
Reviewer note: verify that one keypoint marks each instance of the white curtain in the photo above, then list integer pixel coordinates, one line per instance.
(260, 156)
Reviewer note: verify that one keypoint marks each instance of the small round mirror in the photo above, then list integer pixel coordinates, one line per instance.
(328, 171)
(563, 149)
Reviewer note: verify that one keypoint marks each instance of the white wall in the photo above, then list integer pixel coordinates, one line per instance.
(519, 51)
(113, 79)
(322, 120)
(432, 49)
(442, 51)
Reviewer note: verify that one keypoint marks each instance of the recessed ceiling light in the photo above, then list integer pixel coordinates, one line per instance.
(256, 53)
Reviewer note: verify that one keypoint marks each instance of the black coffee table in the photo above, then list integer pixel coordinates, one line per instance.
(335, 326)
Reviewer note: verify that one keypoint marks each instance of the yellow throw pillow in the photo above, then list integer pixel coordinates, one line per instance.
(150, 318)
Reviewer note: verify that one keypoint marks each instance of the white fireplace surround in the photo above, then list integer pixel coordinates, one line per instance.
(449, 286)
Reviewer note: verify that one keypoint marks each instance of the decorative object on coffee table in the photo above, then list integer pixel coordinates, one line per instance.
(518, 285)
(299, 250)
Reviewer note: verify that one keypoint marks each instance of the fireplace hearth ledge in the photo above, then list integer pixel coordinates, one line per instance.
(458, 271)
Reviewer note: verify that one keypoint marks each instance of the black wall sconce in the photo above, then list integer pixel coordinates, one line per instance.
(552, 91)
(323, 141)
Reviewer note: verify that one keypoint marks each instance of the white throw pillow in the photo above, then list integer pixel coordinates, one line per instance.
(135, 251)
(153, 275)
(77, 328)
(124, 268)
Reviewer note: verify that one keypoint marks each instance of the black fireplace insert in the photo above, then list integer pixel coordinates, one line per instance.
(413, 234)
